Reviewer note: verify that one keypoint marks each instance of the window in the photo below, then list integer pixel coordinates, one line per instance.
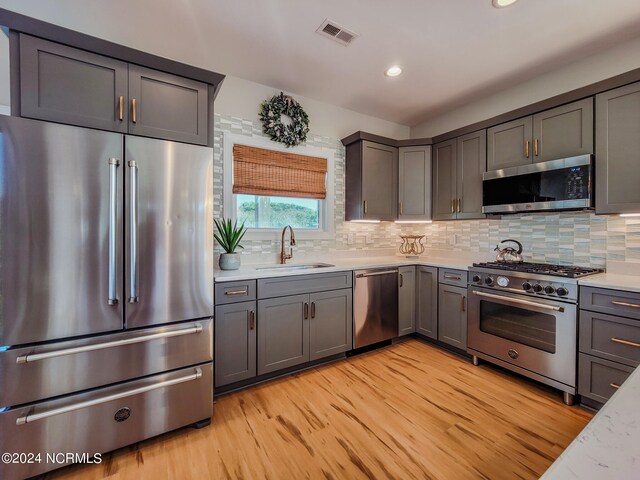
(276, 212)
(265, 215)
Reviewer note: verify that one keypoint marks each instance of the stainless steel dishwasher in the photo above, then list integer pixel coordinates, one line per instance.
(375, 306)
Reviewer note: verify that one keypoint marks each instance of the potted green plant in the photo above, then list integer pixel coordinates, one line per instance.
(229, 236)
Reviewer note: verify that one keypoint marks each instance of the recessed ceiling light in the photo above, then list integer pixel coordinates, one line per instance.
(393, 71)
(502, 3)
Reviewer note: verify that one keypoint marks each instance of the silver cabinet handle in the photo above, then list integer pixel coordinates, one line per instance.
(452, 277)
(34, 357)
(614, 385)
(113, 217)
(625, 342)
(625, 304)
(29, 418)
(373, 274)
(518, 301)
(133, 234)
(236, 292)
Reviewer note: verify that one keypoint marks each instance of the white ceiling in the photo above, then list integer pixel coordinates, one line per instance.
(452, 51)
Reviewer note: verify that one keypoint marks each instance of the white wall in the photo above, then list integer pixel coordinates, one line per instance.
(242, 98)
(601, 66)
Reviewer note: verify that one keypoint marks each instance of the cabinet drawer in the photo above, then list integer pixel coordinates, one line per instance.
(32, 373)
(613, 338)
(281, 286)
(457, 278)
(598, 378)
(105, 419)
(231, 292)
(614, 302)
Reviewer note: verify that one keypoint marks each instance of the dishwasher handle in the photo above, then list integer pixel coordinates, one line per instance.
(374, 274)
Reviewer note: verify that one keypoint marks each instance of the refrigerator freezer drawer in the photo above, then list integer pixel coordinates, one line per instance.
(31, 374)
(105, 419)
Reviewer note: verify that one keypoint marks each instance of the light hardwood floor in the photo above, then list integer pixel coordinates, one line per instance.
(409, 410)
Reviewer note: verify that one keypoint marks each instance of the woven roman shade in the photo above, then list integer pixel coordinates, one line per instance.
(258, 171)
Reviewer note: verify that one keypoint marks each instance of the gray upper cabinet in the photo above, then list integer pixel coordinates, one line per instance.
(67, 85)
(452, 316)
(167, 106)
(414, 192)
(427, 302)
(471, 164)
(371, 190)
(406, 300)
(509, 144)
(618, 150)
(283, 333)
(564, 131)
(235, 343)
(458, 165)
(560, 132)
(444, 180)
(331, 325)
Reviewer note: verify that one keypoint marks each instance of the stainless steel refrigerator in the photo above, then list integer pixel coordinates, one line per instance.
(106, 289)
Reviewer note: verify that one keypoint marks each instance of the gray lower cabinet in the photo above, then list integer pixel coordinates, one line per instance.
(414, 188)
(235, 342)
(331, 325)
(427, 301)
(283, 332)
(452, 316)
(618, 150)
(458, 165)
(167, 106)
(371, 184)
(406, 300)
(560, 132)
(67, 85)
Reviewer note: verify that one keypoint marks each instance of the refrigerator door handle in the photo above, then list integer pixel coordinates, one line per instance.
(114, 163)
(32, 417)
(133, 234)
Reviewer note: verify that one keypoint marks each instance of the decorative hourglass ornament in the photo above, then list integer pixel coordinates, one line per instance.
(411, 245)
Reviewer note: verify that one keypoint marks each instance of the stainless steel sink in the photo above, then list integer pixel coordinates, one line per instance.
(304, 266)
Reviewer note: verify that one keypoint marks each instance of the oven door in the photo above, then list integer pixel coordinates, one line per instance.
(535, 334)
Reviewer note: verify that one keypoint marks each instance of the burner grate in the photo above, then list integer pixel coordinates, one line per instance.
(567, 271)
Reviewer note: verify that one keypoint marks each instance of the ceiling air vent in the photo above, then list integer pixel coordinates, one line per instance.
(335, 32)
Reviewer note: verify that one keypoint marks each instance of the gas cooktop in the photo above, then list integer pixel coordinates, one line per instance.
(566, 271)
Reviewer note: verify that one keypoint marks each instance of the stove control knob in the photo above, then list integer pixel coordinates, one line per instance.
(549, 290)
(488, 280)
(526, 286)
(562, 292)
(476, 279)
(537, 288)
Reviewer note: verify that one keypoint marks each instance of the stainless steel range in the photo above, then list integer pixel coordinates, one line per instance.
(523, 317)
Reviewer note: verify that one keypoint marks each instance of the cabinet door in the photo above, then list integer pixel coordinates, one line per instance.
(66, 85)
(167, 106)
(564, 131)
(427, 304)
(283, 333)
(509, 144)
(379, 181)
(471, 164)
(331, 326)
(406, 300)
(618, 150)
(415, 183)
(444, 180)
(235, 342)
(452, 316)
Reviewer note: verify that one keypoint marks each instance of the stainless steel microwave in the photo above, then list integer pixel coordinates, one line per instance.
(565, 184)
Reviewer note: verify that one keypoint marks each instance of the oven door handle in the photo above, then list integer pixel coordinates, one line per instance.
(555, 308)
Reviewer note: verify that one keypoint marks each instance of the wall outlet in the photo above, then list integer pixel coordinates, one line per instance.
(351, 238)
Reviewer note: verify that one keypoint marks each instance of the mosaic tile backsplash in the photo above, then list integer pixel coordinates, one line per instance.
(579, 238)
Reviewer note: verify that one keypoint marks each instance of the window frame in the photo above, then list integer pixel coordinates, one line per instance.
(230, 207)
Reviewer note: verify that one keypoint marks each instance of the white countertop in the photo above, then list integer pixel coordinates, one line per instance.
(248, 272)
(609, 446)
(615, 281)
